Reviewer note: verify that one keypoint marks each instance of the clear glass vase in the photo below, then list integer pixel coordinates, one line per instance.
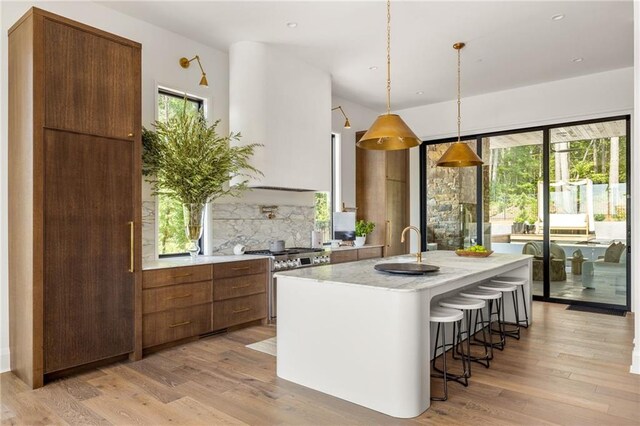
(193, 221)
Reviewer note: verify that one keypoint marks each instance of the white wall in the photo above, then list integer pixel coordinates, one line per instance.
(160, 54)
(635, 194)
(591, 96)
(360, 118)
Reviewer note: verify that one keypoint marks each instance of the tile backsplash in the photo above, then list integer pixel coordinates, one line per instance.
(241, 223)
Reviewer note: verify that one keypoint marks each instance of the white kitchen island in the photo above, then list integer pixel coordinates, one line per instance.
(364, 336)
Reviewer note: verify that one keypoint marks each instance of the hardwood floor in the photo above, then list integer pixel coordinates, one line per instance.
(569, 368)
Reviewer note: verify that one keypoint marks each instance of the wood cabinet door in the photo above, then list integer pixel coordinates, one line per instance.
(396, 209)
(397, 163)
(88, 288)
(90, 82)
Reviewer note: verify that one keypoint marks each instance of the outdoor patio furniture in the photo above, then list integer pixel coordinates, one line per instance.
(608, 269)
(558, 260)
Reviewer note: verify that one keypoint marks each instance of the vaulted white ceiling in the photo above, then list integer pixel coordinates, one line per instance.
(509, 43)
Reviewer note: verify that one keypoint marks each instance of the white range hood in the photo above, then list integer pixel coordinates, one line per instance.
(284, 104)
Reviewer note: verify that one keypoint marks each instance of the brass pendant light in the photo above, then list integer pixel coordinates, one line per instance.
(389, 132)
(459, 154)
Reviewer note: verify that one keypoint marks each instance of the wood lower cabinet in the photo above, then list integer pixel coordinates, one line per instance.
(342, 256)
(354, 254)
(176, 324)
(74, 196)
(239, 310)
(185, 302)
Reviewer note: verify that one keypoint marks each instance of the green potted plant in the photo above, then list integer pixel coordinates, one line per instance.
(186, 158)
(363, 228)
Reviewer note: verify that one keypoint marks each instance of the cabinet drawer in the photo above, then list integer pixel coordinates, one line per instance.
(227, 288)
(344, 256)
(176, 296)
(236, 269)
(239, 310)
(175, 324)
(170, 276)
(369, 253)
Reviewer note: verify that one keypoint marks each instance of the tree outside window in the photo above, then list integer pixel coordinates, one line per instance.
(172, 239)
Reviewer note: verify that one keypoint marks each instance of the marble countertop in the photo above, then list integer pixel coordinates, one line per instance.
(342, 248)
(452, 268)
(176, 262)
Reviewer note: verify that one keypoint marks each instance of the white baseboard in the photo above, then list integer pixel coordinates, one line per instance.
(5, 365)
(635, 360)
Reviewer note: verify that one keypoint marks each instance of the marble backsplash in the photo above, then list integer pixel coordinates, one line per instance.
(148, 230)
(245, 224)
(238, 223)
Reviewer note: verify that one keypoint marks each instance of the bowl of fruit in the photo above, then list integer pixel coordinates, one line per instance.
(474, 251)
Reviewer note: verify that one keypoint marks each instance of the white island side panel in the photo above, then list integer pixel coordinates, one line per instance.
(363, 345)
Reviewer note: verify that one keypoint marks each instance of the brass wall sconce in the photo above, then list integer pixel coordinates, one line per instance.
(184, 63)
(347, 125)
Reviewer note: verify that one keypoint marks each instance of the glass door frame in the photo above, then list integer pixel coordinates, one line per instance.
(546, 157)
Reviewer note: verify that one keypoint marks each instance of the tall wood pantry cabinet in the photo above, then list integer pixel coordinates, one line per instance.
(74, 196)
(382, 196)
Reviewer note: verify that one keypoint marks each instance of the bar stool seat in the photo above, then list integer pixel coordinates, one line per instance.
(439, 314)
(520, 282)
(505, 288)
(477, 293)
(493, 297)
(442, 316)
(512, 289)
(467, 305)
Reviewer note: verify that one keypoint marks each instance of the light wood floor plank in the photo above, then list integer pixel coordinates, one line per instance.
(569, 368)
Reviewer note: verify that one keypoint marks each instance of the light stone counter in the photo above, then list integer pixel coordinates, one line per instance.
(453, 268)
(364, 336)
(176, 262)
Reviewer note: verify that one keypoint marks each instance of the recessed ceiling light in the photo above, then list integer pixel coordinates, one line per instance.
(577, 59)
(557, 17)
(373, 68)
(420, 92)
(292, 24)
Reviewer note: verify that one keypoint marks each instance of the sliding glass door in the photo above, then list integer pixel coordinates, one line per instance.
(588, 228)
(556, 192)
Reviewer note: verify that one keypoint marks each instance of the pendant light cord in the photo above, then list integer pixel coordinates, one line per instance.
(459, 94)
(388, 56)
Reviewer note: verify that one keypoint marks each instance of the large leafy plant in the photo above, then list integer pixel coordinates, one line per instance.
(185, 157)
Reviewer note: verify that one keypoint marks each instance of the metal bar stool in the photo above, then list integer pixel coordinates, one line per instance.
(492, 298)
(467, 306)
(505, 288)
(442, 316)
(520, 282)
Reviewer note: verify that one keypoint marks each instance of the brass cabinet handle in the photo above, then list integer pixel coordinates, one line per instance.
(241, 269)
(182, 296)
(180, 324)
(239, 311)
(181, 275)
(130, 135)
(240, 286)
(132, 246)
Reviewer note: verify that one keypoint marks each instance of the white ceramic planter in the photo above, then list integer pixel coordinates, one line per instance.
(359, 242)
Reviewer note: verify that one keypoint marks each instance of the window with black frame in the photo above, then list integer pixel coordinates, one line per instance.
(172, 238)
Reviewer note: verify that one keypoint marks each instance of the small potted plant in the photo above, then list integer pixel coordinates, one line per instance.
(363, 228)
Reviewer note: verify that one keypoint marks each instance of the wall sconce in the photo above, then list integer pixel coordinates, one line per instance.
(347, 125)
(184, 63)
